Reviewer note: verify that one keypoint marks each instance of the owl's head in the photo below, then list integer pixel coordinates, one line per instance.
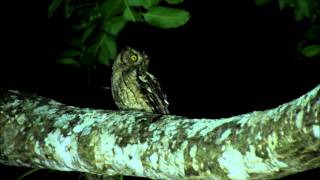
(130, 57)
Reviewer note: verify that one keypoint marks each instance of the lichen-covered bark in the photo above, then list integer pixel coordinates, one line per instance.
(42, 133)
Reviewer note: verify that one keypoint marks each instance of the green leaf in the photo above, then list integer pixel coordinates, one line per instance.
(285, 3)
(75, 42)
(68, 8)
(311, 51)
(111, 8)
(87, 33)
(282, 4)
(174, 1)
(313, 32)
(53, 7)
(128, 14)
(91, 52)
(107, 50)
(165, 17)
(145, 3)
(262, 2)
(70, 53)
(302, 9)
(131, 15)
(114, 25)
(68, 61)
(111, 46)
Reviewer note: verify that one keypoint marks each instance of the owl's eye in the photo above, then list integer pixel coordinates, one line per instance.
(133, 57)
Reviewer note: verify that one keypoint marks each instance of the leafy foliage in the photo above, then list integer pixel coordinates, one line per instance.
(145, 3)
(53, 7)
(262, 2)
(304, 9)
(311, 51)
(164, 17)
(174, 1)
(97, 23)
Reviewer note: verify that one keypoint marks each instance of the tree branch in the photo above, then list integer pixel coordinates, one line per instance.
(42, 133)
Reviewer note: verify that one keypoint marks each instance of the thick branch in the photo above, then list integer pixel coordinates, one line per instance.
(38, 132)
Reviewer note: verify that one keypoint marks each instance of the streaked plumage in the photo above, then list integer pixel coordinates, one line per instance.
(133, 87)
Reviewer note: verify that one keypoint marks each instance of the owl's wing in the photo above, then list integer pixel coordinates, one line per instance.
(153, 93)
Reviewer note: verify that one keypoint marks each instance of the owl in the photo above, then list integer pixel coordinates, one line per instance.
(133, 87)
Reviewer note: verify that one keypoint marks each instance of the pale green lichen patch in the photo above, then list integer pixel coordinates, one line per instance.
(87, 120)
(105, 146)
(37, 148)
(273, 140)
(193, 153)
(205, 126)
(299, 119)
(257, 117)
(255, 164)
(63, 120)
(153, 127)
(133, 154)
(224, 136)
(258, 136)
(154, 160)
(243, 119)
(316, 131)
(156, 136)
(239, 166)
(54, 103)
(273, 160)
(232, 161)
(172, 163)
(171, 128)
(21, 119)
(126, 158)
(305, 130)
(16, 102)
(41, 110)
(52, 111)
(64, 150)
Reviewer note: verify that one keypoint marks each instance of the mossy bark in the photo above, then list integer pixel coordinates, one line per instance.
(42, 133)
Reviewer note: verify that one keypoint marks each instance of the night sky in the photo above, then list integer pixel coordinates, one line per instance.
(230, 58)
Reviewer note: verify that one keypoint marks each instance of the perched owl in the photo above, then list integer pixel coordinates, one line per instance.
(133, 87)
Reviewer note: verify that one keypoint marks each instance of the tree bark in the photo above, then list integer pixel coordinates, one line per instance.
(42, 133)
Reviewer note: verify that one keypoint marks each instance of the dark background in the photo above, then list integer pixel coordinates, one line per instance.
(230, 58)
